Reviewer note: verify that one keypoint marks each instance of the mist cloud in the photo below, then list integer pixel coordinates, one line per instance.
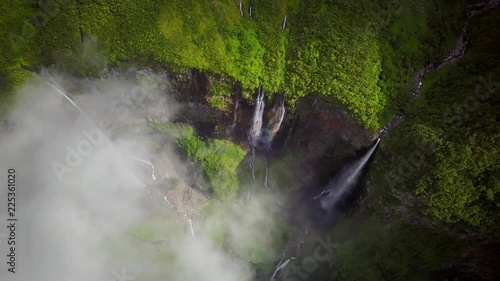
(83, 203)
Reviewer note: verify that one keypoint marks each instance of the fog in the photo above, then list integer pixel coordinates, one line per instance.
(84, 206)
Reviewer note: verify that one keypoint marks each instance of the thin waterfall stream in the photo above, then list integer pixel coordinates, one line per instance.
(343, 183)
(456, 53)
(256, 128)
(257, 119)
(340, 185)
(156, 192)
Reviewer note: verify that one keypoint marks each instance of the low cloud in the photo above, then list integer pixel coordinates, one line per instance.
(83, 201)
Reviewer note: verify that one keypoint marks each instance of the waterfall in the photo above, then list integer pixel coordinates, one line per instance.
(173, 207)
(153, 175)
(190, 222)
(241, 9)
(343, 183)
(266, 185)
(279, 267)
(283, 26)
(256, 128)
(235, 113)
(70, 100)
(459, 50)
(250, 9)
(152, 192)
(277, 114)
(283, 263)
(275, 119)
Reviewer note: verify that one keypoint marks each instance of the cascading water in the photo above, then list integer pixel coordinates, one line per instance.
(275, 119)
(235, 113)
(256, 127)
(266, 185)
(153, 175)
(283, 26)
(335, 190)
(156, 193)
(281, 265)
(54, 86)
(153, 193)
(250, 9)
(456, 53)
(284, 262)
(344, 182)
(241, 9)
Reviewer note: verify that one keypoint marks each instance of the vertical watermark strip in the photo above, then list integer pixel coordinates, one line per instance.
(11, 219)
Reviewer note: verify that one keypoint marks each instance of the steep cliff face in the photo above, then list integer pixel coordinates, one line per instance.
(433, 181)
(433, 186)
(322, 136)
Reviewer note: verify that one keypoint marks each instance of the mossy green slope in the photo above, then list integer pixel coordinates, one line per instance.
(361, 54)
(219, 158)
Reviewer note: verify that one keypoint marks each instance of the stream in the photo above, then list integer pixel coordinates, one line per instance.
(416, 89)
(456, 53)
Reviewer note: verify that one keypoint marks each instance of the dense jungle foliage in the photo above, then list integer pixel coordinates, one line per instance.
(436, 176)
(362, 54)
(433, 198)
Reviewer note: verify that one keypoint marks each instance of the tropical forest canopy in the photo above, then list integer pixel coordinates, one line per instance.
(361, 54)
(438, 169)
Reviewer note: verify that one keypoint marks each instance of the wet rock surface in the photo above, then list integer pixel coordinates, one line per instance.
(323, 136)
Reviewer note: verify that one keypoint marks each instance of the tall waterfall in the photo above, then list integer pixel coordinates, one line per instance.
(256, 128)
(250, 10)
(70, 99)
(344, 182)
(275, 119)
(235, 113)
(152, 191)
(241, 9)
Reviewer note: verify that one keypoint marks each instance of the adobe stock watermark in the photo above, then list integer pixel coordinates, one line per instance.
(47, 10)
(92, 138)
(74, 156)
(323, 252)
(407, 166)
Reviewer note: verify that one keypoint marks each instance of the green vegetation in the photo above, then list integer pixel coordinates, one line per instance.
(421, 32)
(396, 252)
(434, 187)
(220, 93)
(16, 50)
(283, 176)
(219, 158)
(362, 54)
(454, 129)
(444, 159)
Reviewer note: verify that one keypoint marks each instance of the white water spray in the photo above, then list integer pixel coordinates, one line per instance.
(283, 26)
(235, 113)
(276, 117)
(250, 9)
(241, 9)
(343, 183)
(256, 128)
(153, 175)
